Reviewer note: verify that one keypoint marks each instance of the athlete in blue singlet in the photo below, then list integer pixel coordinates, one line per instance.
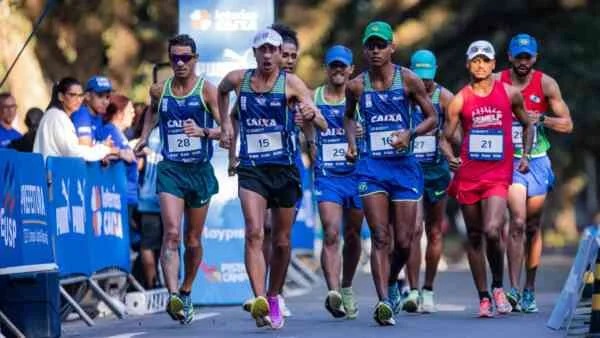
(336, 188)
(267, 175)
(428, 150)
(187, 109)
(390, 178)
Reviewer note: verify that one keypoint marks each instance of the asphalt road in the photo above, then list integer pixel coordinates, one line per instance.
(456, 298)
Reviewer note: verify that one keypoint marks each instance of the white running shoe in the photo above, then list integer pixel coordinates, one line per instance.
(285, 311)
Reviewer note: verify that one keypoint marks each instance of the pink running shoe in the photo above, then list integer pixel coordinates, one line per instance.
(485, 308)
(275, 315)
(502, 305)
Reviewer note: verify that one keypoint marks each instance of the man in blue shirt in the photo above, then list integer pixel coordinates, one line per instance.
(88, 118)
(8, 112)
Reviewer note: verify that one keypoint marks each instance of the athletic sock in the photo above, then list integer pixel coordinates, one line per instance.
(427, 288)
(184, 293)
(484, 294)
(496, 284)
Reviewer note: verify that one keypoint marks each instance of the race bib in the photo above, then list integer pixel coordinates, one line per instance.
(425, 146)
(381, 140)
(181, 142)
(264, 143)
(334, 152)
(486, 144)
(517, 135)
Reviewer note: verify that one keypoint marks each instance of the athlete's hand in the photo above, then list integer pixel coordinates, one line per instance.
(299, 119)
(140, 148)
(360, 131)
(226, 136)
(523, 165)
(401, 139)
(308, 112)
(454, 163)
(351, 153)
(232, 167)
(191, 129)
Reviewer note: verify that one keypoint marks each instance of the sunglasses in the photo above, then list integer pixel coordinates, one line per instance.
(185, 58)
(479, 49)
(379, 44)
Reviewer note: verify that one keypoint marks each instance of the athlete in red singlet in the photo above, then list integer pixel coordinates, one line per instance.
(484, 170)
(527, 193)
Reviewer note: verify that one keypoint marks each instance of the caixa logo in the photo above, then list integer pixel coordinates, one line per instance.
(8, 229)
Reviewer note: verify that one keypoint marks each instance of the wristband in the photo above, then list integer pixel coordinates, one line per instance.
(542, 118)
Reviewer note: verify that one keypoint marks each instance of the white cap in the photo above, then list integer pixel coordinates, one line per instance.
(481, 47)
(267, 36)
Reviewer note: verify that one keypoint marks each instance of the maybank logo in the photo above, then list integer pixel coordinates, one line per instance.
(225, 20)
(225, 272)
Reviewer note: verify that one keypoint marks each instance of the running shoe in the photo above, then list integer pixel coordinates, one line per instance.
(188, 309)
(276, 318)
(485, 308)
(260, 311)
(528, 304)
(285, 311)
(411, 302)
(247, 306)
(384, 315)
(502, 304)
(349, 303)
(395, 298)
(334, 304)
(175, 307)
(514, 298)
(427, 302)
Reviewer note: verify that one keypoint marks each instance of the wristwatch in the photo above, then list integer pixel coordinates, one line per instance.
(541, 119)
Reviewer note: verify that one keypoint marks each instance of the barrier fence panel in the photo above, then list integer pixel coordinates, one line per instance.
(25, 233)
(68, 179)
(107, 217)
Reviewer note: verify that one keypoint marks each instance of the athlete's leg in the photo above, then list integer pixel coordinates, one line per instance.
(283, 218)
(253, 208)
(472, 214)
(171, 210)
(331, 218)
(434, 218)
(195, 218)
(404, 224)
(533, 243)
(493, 210)
(267, 237)
(376, 207)
(413, 266)
(517, 203)
(352, 245)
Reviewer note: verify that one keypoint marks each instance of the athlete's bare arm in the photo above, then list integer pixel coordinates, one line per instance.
(560, 120)
(518, 109)
(299, 93)
(446, 97)
(209, 93)
(230, 82)
(354, 90)
(149, 116)
(416, 89)
(452, 120)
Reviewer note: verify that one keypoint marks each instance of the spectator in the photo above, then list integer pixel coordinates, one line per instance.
(32, 121)
(56, 133)
(8, 112)
(118, 117)
(135, 130)
(88, 118)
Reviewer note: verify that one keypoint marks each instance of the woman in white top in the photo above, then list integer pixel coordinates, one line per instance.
(56, 133)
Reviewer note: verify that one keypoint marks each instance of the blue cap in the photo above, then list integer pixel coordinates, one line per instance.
(423, 63)
(98, 84)
(523, 43)
(338, 53)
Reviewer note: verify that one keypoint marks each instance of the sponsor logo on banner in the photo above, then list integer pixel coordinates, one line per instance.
(8, 222)
(106, 212)
(223, 235)
(70, 212)
(33, 212)
(224, 20)
(225, 272)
